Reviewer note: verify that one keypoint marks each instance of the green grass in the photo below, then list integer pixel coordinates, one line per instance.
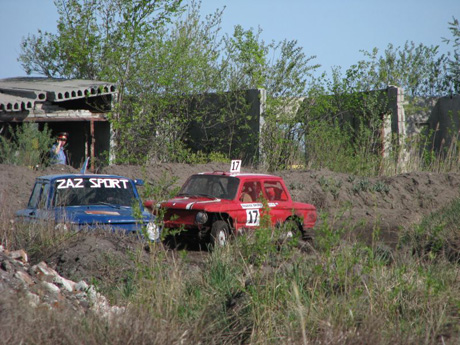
(258, 291)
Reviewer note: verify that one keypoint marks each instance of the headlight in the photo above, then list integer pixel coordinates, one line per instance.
(153, 232)
(61, 227)
(201, 217)
(67, 227)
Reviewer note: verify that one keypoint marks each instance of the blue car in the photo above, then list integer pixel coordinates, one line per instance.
(90, 201)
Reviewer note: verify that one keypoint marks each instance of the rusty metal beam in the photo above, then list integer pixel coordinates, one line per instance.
(47, 119)
(92, 145)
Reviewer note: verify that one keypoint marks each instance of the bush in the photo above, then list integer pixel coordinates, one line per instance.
(26, 146)
(437, 236)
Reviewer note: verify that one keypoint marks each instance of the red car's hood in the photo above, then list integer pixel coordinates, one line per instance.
(195, 203)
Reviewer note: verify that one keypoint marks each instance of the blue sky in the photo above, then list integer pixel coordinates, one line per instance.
(332, 30)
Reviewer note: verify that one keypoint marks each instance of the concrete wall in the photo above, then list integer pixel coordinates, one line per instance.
(229, 123)
(418, 112)
(444, 121)
(394, 122)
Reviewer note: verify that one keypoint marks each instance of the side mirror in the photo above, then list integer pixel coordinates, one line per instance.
(138, 182)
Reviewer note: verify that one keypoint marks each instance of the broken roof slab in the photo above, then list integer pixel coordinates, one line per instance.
(20, 94)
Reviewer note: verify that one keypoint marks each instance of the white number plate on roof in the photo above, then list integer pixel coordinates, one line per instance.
(235, 166)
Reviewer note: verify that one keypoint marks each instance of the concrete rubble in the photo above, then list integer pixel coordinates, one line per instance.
(42, 286)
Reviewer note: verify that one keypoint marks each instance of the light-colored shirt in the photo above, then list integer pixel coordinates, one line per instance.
(59, 158)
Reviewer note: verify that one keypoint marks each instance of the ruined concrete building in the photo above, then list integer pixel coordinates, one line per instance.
(78, 107)
(81, 107)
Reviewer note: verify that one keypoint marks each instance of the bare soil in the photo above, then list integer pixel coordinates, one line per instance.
(362, 205)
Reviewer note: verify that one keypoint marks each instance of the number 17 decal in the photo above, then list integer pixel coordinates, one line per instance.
(252, 217)
(235, 166)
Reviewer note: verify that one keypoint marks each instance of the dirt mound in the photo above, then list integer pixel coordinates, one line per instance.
(100, 256)
(359, 204)
(364, 204)
(16, 183)
(389, 202)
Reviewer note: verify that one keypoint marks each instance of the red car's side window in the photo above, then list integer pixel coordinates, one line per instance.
(250, 191)
(275, 191)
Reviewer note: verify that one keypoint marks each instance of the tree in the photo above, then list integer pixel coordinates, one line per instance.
(282, 69)
(245, 59)
(418, 69)
(179, 65)
(287, 86)
(96, 38)
(454, 59)
(164, 61)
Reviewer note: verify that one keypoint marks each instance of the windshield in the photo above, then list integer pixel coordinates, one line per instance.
(212, 186)
(93, 191)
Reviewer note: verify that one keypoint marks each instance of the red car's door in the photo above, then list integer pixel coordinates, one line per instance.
(279, 203)
(251, 204)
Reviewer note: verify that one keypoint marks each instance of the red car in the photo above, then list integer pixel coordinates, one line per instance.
(214, 205)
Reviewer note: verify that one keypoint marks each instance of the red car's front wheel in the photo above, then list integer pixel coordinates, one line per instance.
(219, 233)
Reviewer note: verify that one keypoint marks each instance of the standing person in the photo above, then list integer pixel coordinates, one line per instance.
(57, 153)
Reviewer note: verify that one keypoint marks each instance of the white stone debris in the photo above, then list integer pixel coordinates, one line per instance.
(42, 286)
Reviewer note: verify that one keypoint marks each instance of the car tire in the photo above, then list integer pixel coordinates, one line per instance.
(219, 233)
(291, 230)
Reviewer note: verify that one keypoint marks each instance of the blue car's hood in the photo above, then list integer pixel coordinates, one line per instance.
(99, 215)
